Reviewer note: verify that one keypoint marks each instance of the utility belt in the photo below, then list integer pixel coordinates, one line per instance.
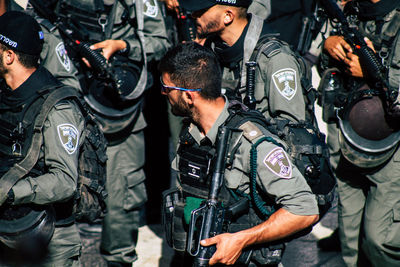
(177, 207)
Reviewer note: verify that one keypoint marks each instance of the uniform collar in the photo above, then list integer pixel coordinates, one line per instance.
(371, 11)
(29, 89)
(231, 56)
(212, 133)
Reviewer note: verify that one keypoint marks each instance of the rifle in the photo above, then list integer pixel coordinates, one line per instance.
(312, 23)
(211, 216)
(186, 26)
(369, 61)
(102, 69)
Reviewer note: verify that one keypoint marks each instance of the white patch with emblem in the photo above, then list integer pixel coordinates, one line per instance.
(278, 162)
(69, 137)
(63, 57)
(150, 8)
(285, 82)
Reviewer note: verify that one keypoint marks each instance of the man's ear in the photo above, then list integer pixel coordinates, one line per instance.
(229, 16)
(189, 97)
(9, 57)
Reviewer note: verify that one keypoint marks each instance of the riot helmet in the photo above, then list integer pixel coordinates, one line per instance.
(366, 137)
(27, 228)
(107, 98)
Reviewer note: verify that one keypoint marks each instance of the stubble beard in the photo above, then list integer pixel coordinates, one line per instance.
(209, 30)
(181, 108)
(3, 70)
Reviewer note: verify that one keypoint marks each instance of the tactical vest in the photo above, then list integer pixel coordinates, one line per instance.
(15, 140)
(196, 169)
(16, 133)
(93, 21)
(93, 15)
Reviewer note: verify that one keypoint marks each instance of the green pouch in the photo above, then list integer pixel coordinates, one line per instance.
(192, 203)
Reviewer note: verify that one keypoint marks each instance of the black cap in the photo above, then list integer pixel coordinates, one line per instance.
(21, 32)
(195, 5)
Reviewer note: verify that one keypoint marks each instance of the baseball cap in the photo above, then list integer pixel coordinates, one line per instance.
(21, 32)
(195, 5)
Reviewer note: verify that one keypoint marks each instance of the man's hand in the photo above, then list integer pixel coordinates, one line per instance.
(337, 47)
(353, 65)
(109, 47)
(229, 247)
(172, 5)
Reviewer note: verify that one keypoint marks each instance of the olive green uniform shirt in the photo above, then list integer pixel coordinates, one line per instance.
(278, 89)
(276, 174)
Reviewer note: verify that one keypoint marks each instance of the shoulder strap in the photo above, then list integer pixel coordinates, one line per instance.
(268, 45)
(22, 168)
(141, 85)
(251, 39)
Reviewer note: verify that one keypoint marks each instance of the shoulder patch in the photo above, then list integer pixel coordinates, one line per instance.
(285, 82)
(278, 162)
(150, 8)
(250, 130)
(69, 137)
(63, 57)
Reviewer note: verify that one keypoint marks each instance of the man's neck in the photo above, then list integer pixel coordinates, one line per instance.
(14, 78)
(207, 113)
(231, 33)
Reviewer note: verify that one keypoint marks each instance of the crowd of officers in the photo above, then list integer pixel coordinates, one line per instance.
(204, 80)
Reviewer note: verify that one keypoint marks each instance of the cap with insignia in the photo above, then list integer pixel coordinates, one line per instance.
(196, 5)
(21, 32)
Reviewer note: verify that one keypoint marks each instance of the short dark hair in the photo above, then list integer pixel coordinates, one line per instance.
(28, 61)
(191, 65)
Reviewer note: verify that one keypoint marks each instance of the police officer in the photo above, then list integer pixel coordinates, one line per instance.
(131, 33)
(191, 79)
(367, 173)
(54, 56)
(53, 179)
(234, 34)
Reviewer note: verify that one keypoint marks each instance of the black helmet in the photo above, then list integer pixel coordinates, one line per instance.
(26, 228)
(366, 137)
(107, 100)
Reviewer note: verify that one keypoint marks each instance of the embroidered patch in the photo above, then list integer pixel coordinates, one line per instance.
(285, 82)
(150, 8)
(62, 56)
(69, 137)
(278, 162)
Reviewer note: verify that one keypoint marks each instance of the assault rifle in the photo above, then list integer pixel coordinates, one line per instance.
(369, 61)
(312, 23)
(101, 68)
(209, 219)
(186, 26)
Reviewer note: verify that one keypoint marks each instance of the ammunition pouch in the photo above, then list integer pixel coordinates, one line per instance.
(262, 254)
(173, 219)
(331, 94)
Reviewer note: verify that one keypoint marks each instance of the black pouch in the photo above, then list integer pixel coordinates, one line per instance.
(173, 219)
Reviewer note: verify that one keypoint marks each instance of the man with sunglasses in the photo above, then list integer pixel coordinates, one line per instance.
(191, 80)
(233, 34)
